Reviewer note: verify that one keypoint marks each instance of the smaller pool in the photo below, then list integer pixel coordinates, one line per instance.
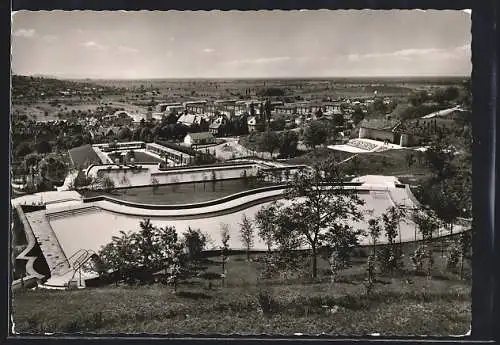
(183, 193)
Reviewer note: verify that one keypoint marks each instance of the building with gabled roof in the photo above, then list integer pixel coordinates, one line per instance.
(202, 138)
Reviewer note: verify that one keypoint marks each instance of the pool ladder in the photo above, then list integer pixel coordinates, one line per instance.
(76, 262)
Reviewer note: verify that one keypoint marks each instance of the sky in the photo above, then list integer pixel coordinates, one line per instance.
(235, 44)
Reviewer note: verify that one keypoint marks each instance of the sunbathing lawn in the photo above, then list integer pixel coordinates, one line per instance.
(403, 304)
(183, 193)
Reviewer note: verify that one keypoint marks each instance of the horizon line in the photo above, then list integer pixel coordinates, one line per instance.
(243, 78)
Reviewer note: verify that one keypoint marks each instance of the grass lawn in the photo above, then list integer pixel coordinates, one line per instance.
(183, 193)
(402, 304)
(390, 162)
(319, 154)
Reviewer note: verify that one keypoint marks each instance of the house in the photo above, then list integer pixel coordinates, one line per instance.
(315, 108)
(157, 116)
(284, 109)
(195, 107)
(111, 131)
(303, 109)
(176, 109)
(189, 120)
(384, 130)
(333, 108)
(162, 107)
(97, 133)
(216, 128)
(252, 124)
(203, 138)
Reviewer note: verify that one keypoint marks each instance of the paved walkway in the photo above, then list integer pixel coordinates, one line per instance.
(47, 239)
(443, 112)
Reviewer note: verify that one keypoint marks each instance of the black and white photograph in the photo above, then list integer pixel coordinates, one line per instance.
(282, 173)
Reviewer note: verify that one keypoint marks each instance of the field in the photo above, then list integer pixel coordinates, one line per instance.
(184, 193)
(135, 96)
(403, 304)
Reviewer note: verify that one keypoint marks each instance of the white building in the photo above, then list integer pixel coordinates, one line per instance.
(202, 138)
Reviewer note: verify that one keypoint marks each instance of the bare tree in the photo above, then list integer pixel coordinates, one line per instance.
(246, 234)
(224, 249)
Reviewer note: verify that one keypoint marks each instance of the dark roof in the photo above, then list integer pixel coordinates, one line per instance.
(215, 125)
(384, 124)
(83, 156)
(201, 135)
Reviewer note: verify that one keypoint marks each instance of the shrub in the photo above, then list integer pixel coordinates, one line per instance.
(370, 274)
(267, 303)
(194, 241)
(136, 256)
(453, 256)
(418, 258)
(107, 184)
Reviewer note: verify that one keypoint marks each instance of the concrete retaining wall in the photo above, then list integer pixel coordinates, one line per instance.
(126, 177)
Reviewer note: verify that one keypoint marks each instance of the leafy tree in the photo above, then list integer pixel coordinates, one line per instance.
(453, 256)
(340, 242)
(124, 133)
(136, 256)
(23, 149)
(130, 155)
(358, 115)
(374, 231)
(278, 124)
(82, 180)
(288, 144)
(390, 256)
(315, 134)
(246, 234)
(410, 159)
(287, 239)
(427, 224)
(195, 242)
(418, 258)
(319, 204)
(439, 157)
(265, 219)
(418, 98)
(43, 147)
(52, 167)
(107, 184)
(269, 142)
(449, 94)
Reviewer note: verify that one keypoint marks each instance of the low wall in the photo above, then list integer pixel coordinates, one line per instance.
(184, 206)
(27, 255)
(204, 174)
(126, 177)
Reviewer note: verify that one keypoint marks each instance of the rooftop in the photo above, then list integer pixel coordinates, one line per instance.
(83, 156)
(201, 135)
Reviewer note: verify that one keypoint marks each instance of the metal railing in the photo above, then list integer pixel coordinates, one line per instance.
(82, 256)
